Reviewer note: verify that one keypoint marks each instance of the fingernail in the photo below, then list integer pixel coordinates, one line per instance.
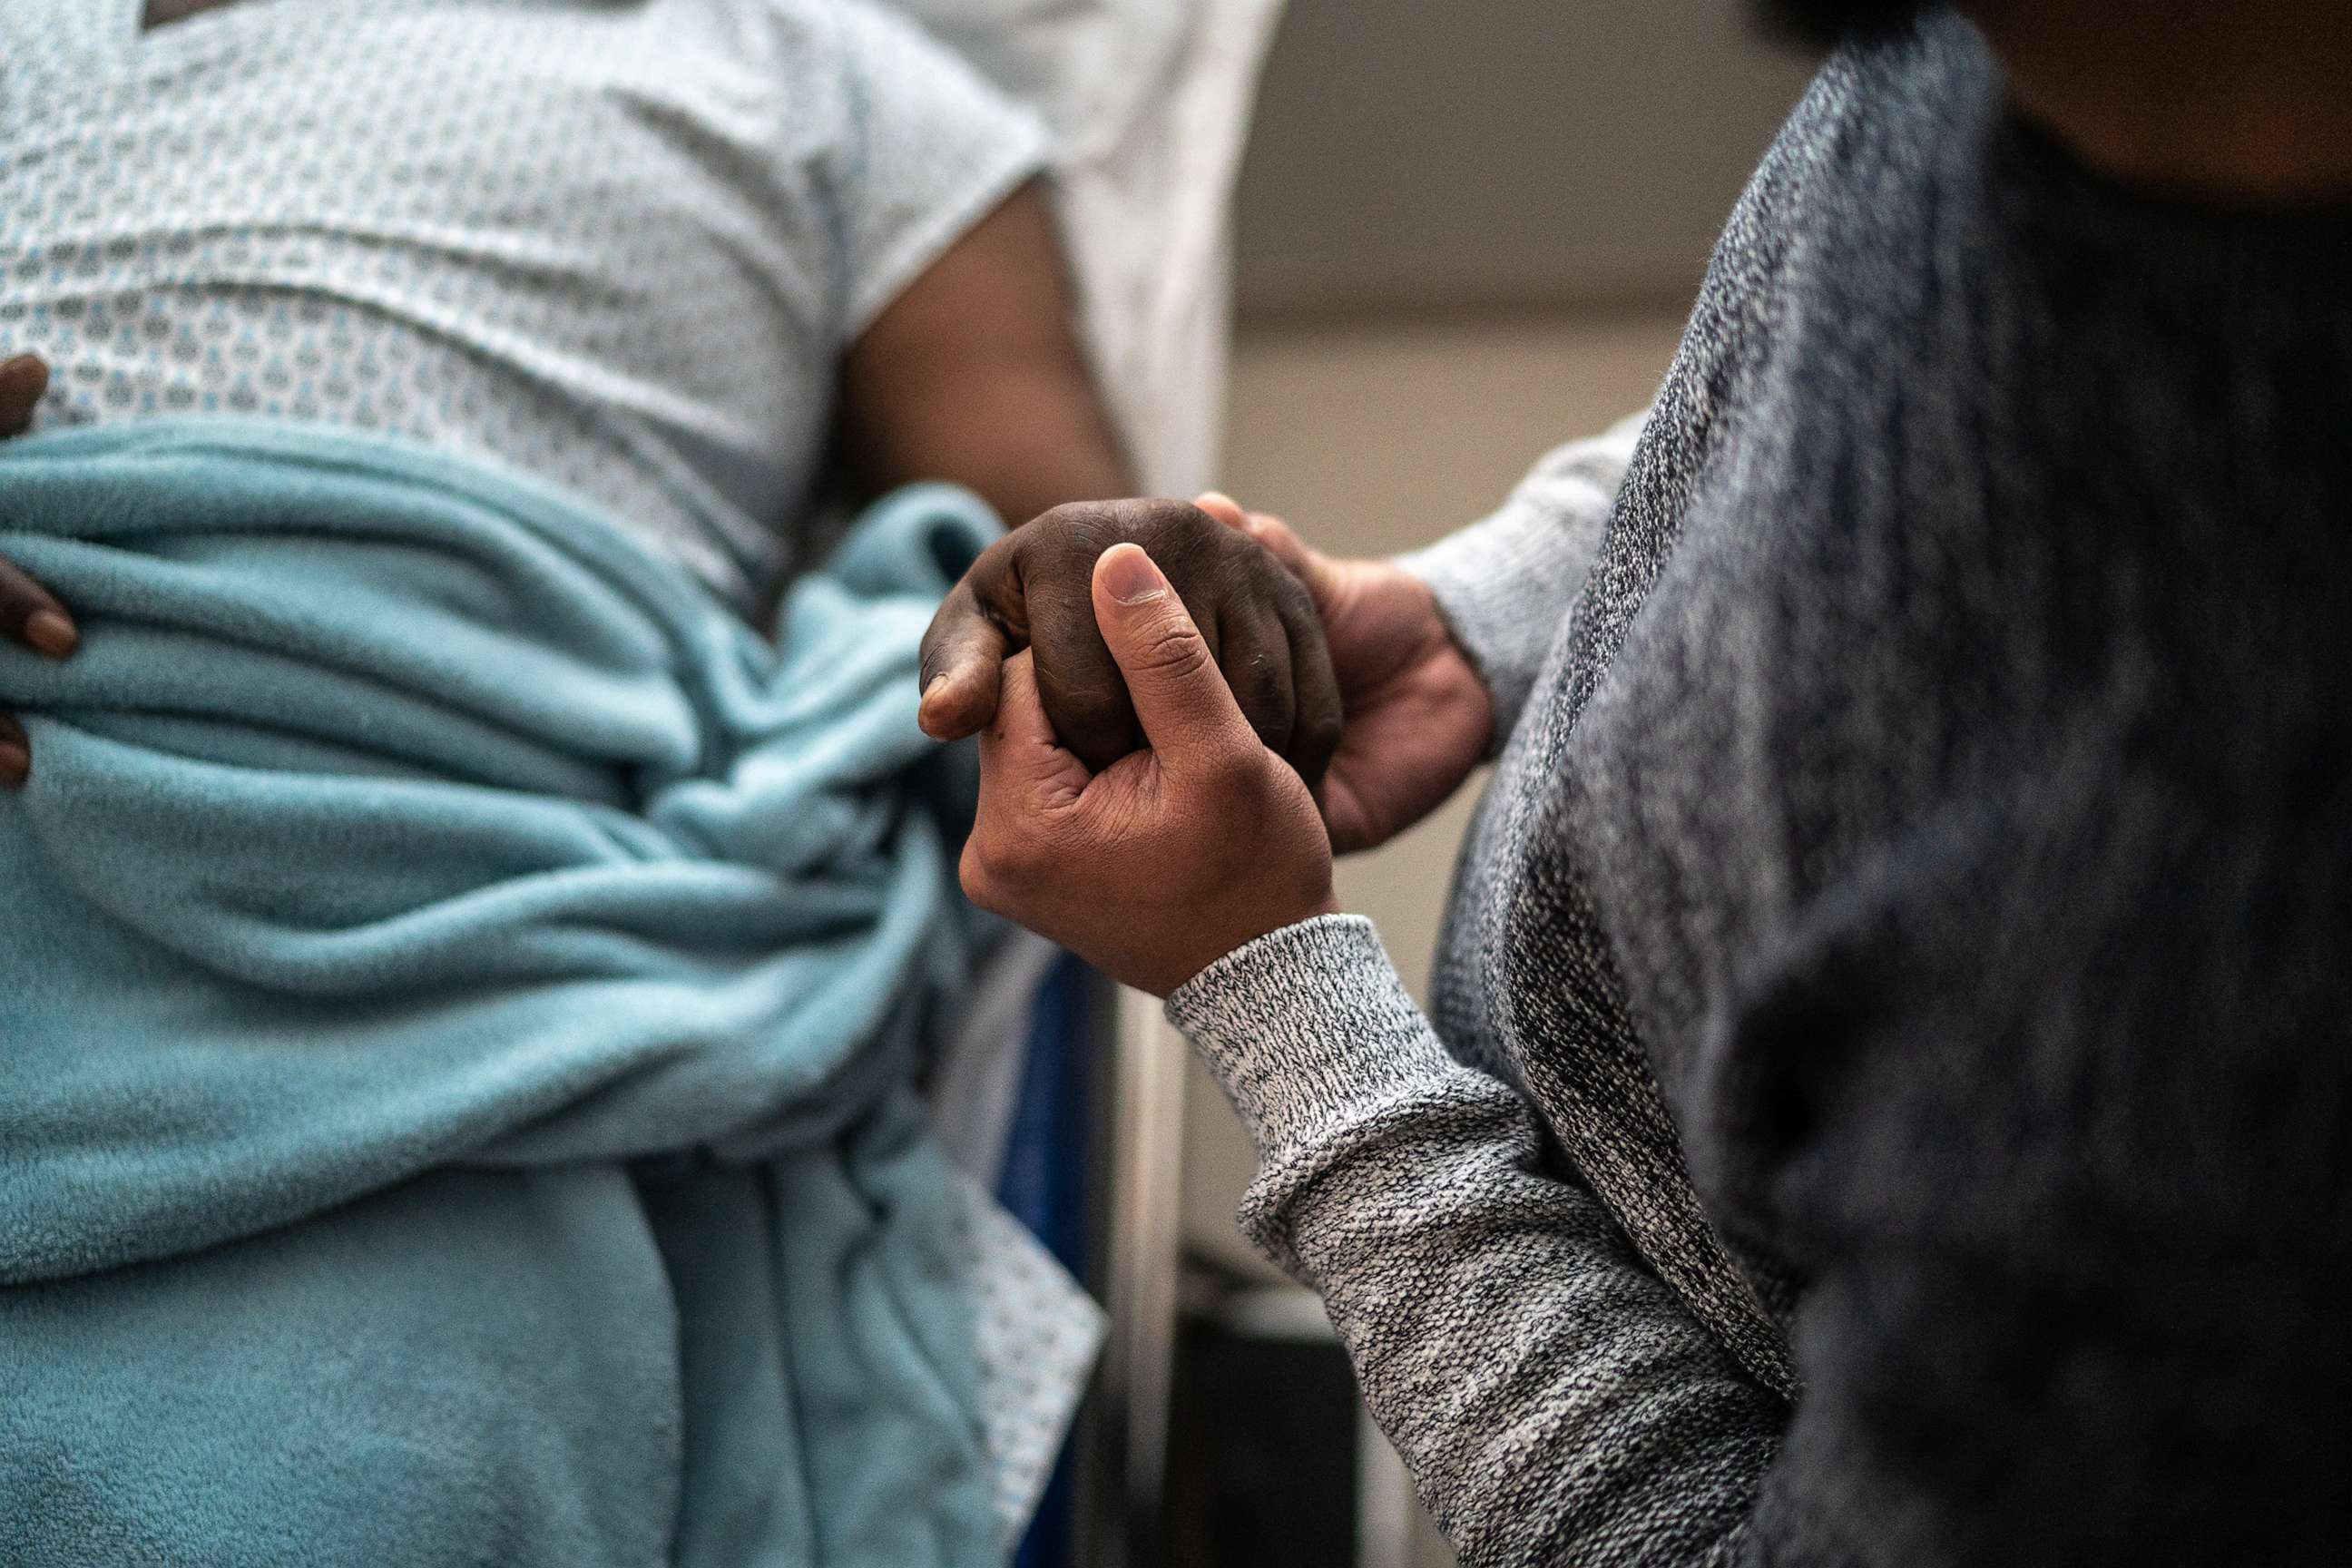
(16, 764)
(1217, 498)
(1130, 576)
(51, 633)
(933, 684)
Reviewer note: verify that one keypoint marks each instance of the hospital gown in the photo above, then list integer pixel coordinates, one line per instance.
(621, 247)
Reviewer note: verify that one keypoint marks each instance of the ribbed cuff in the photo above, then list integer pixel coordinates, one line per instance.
(1307, 1027)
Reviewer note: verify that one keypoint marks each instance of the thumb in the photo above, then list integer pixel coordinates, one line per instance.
(963, 656)
(963, 651)
(1180, 695)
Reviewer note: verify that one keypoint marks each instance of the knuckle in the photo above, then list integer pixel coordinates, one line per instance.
(1291, 592)
(1072, 528)
(1235, 775)
(1191, 546)
(990, 604)
(1165, 517)
(1265, 687)
(1270, 711)
(973, 873)
(1000, 862)
(1240, 558)
(990, 562)
(1172, 650)
(1047, 526)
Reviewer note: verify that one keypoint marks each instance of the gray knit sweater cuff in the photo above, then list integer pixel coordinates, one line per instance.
(1505, 585)
(1307, 1028)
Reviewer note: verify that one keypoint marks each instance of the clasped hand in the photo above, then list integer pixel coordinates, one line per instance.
(1153, 863)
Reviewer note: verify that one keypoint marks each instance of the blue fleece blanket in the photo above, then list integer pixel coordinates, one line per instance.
(458, 991)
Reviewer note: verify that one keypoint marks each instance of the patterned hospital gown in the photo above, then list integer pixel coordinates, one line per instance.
(618, 244)
(621, 244)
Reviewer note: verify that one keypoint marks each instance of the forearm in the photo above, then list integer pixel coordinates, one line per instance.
(976, 375)
(1553, 1399)
(1506, 581)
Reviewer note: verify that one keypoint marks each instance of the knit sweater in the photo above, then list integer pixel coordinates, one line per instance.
(1887, 1096)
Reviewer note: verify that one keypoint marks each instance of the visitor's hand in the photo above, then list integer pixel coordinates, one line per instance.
(27, 614)
(1034, 589)
(1418, 714)
(1159, 865)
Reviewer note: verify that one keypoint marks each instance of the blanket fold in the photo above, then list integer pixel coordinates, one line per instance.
(459, 992)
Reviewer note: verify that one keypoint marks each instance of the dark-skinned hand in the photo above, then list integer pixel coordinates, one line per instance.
(28, 614)
(1153, 867)
(1419, 714)
(1034, 589)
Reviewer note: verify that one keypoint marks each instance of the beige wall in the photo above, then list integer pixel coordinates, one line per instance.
(1431, 154)
(1372, 440)
(1466, 233)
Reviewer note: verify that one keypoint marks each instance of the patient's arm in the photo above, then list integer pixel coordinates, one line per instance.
(27, 614)
(975, 373)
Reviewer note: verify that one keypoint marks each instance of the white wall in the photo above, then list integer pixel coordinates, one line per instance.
(1438, 154)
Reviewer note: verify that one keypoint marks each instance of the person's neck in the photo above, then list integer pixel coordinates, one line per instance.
(2236, 99)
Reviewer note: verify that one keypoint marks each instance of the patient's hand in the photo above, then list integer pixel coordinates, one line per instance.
(1419, 714)
(27, 614)
(1034, 589)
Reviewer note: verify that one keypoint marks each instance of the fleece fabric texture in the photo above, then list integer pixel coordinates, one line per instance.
(1885, 1098)
(461, 995)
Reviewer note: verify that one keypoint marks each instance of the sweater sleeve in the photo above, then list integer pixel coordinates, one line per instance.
(1503, 583)
(2059, 1154)
(1551, 1396)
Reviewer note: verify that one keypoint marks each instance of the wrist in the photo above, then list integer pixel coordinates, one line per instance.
(1450, 635)
(1243, 926)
